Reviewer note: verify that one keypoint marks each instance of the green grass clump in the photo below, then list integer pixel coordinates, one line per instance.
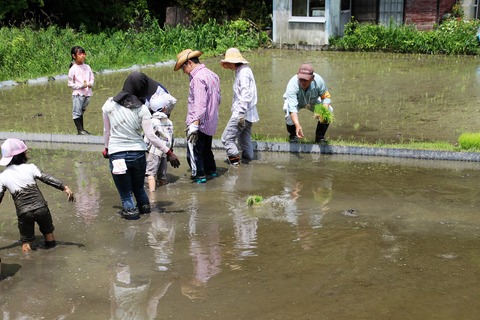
(254, 199)
(469, 141)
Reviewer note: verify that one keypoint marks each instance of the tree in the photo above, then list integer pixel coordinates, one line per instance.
(258, 11)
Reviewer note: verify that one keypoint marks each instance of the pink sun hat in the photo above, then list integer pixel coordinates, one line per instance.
(10, 148)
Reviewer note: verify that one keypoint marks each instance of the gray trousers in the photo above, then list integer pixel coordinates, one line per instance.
(232, 133)
(80, 104)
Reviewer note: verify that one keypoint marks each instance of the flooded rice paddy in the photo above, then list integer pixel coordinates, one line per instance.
(336, 237)
(376, 96)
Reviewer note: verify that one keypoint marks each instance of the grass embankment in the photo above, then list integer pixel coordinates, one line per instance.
(28, 54)
(413, 145)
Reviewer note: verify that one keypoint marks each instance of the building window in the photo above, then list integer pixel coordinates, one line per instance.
(345, 5)
(308, 8)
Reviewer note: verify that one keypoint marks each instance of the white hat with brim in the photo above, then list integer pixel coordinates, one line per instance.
(233, 55)
(10, 148)
(184, 56)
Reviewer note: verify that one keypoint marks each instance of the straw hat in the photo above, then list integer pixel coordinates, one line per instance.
(183, 56)
(233, 55)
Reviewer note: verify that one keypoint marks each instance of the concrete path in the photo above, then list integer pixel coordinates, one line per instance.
(96, 142)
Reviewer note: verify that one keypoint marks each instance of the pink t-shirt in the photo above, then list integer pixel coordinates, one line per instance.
(78, 76)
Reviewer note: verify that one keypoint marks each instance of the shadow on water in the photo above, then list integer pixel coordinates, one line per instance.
(376, 96)
(335, 237)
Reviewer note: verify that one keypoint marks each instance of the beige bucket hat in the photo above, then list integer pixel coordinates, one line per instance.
(183, 56)
(233, 55)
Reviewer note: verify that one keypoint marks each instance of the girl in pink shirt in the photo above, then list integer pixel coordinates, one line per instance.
(80, 79)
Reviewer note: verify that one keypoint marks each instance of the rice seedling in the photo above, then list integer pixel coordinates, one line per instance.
(322, 113)
(254, 200)
(469, 141)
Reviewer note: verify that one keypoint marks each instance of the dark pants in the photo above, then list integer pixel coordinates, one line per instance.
(26, 223)
(203, 155)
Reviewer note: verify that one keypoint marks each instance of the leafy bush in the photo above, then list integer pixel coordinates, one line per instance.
(453, 36)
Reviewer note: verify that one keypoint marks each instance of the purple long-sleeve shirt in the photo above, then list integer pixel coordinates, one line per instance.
(204, 99)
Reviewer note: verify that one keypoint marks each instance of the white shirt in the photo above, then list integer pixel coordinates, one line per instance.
(244, 102)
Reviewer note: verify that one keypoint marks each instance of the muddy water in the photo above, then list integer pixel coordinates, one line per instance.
(386, 97)
(336, 237)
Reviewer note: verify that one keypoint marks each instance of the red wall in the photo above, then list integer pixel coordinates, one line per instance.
(425, 13)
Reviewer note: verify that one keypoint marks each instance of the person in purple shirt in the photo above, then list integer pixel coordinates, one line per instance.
(202, 116)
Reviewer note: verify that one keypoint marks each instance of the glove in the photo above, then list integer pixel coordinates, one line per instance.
(105, 153)
(241, 122)
(330, 108)
(192, 133)
(172, 158)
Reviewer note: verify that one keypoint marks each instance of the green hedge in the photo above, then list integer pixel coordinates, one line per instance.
(453, 36)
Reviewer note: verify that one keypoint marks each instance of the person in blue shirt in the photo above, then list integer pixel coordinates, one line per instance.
(305, 90)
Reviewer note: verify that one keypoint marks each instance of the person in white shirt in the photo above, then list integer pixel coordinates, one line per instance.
(126, 118)
(244, 108)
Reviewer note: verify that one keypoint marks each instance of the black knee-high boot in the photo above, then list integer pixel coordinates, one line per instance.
(292, 133)
(320, 132)
(81, 122)
(78, 124)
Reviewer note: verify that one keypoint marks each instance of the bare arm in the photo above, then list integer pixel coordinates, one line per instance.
(298, 127)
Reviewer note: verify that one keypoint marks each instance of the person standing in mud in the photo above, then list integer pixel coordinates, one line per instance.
(81, 80)
(244, 108)
(126, 118)
(202, 116)
(305, 90)
(160, 105)
(20, 179)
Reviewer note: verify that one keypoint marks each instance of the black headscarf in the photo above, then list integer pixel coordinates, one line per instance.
(136, 87)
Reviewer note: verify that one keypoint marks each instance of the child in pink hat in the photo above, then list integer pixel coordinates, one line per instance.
(19, 178)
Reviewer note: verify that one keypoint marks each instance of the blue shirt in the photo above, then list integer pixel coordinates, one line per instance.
(297, 98)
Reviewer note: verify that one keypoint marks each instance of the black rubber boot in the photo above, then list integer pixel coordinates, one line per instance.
(130, 214)
(146, 208)
(50, 244)
(78, 124)
(320, 132)
(81, 122)
(292, 134)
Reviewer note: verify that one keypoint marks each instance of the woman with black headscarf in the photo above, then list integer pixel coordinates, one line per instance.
(125, 119)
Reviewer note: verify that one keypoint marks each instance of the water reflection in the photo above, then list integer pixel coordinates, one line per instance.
(203, 253)
(245, 224)
(133, 297)
(87, 204)
(204, 237)
(161, 238)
